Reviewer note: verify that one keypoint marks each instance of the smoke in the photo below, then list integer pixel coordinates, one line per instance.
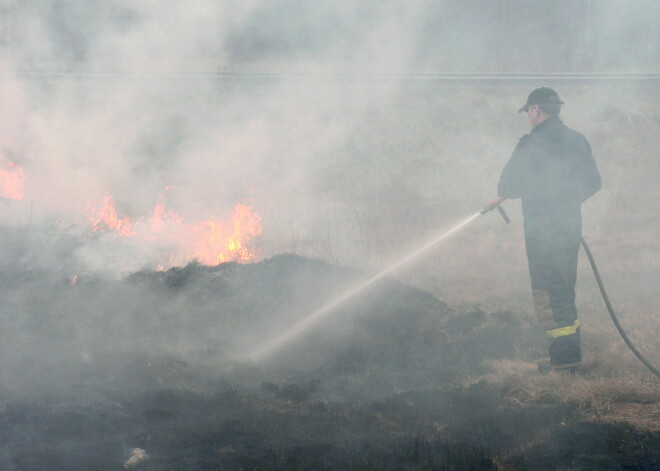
(304, 111)
(125, 99)
(341, 125)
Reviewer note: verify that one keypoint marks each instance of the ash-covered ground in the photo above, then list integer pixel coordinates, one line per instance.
(393, 379)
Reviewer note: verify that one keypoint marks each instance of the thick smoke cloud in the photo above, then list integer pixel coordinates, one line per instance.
(124, 97)
(320, 116)
(108, 97)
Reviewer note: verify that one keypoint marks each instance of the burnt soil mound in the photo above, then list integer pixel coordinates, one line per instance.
(393, 379)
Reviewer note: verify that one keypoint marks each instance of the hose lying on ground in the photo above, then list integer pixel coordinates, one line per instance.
(611, 310)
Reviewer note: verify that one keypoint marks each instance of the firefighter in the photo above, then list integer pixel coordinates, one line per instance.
(553, 171)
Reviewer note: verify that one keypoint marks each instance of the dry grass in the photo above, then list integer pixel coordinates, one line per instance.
(633, 398)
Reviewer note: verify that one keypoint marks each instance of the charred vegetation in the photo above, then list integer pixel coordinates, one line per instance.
(402, 382)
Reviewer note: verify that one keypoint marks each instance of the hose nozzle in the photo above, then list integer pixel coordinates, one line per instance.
(497, 204)
(492, 205)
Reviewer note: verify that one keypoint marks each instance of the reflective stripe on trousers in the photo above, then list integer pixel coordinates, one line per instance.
(555, 310)
(564, 331)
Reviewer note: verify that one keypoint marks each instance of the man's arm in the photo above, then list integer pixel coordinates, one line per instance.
(590, 181)
(513, 174)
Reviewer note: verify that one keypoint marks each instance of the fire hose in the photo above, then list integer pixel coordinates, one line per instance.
(497, 204)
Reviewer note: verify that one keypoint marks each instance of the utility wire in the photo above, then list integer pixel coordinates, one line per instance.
(233, 75)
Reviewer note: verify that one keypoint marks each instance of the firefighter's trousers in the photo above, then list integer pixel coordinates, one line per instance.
(553, 270)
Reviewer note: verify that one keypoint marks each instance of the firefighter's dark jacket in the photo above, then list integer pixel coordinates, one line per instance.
(553, 171)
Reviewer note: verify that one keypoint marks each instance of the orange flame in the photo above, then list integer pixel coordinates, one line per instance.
(107, 219)
(219, 242)
(209, 242)
(161, 217)
(12, 179)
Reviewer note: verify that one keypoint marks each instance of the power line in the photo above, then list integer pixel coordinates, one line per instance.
(276, 75)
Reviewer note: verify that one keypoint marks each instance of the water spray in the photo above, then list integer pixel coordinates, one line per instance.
(325, 310)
